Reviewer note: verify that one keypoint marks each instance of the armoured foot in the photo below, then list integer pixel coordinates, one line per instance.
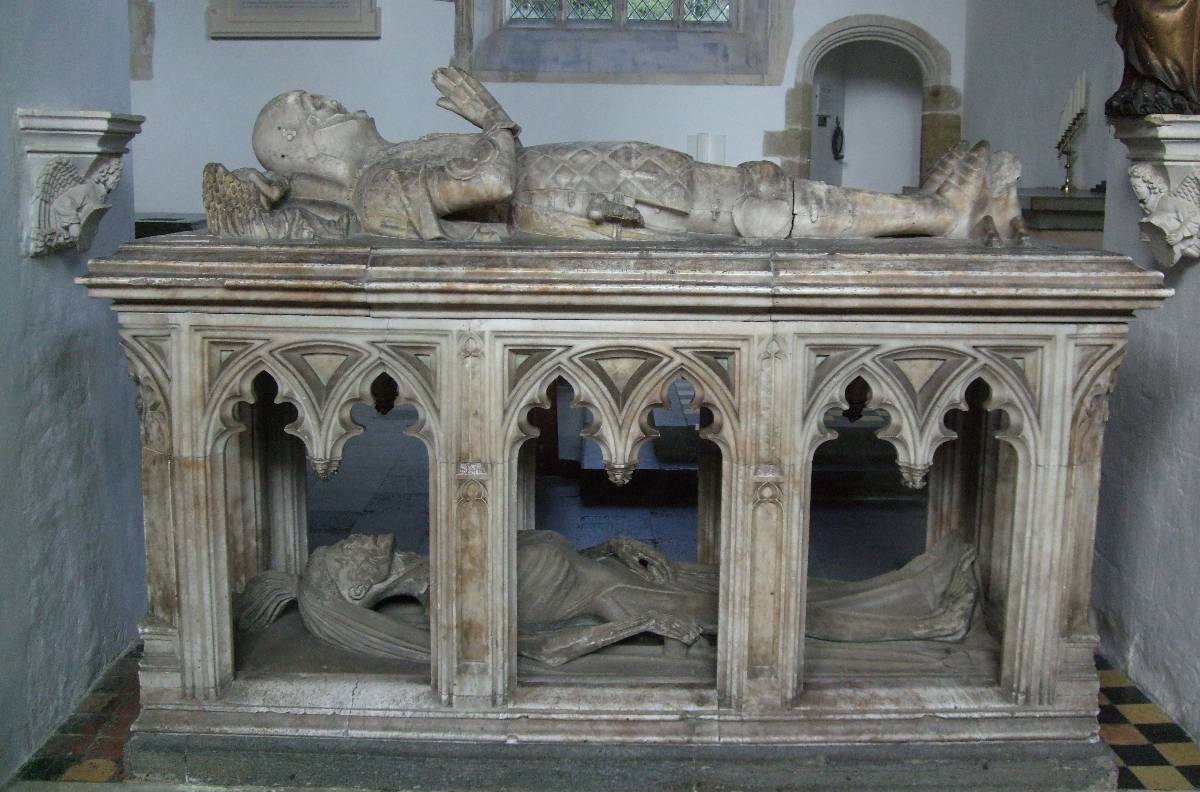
(963, 190)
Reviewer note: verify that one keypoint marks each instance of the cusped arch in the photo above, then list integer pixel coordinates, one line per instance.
(931, 55)
(323, 421)
(1009, 393)
(337, 425)
(530, 393)
(887, 394)
(618, 427)
(235, 385)
(711, 393)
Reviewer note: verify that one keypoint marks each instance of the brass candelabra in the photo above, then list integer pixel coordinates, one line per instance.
(1066, 150)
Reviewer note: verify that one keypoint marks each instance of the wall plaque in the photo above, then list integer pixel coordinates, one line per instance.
(293, 19)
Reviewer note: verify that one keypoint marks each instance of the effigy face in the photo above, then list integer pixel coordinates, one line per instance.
(330, 175)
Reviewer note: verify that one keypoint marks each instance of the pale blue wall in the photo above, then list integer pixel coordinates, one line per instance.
(71, 587)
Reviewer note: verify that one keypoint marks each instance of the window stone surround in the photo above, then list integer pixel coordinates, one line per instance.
(941, 112)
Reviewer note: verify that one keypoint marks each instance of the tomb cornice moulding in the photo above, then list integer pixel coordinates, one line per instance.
(632, 279)
(72, 163)
(1164, 171)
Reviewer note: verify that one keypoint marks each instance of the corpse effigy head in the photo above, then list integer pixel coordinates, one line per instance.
(361, 566)
(300, 132)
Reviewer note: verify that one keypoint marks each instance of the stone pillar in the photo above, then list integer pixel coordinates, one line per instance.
(769, 557)
(1034, 588)
(482, 585)
(527, 487)
(244, 496)
(284, 466)
(1097, 360)
(201, 554)
(146, 351)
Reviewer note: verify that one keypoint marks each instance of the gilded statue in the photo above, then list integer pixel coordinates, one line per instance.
(329, 174)
(1159, 39)
(571, 603)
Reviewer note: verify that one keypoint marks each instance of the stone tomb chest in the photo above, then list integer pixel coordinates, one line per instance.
(1000, 357)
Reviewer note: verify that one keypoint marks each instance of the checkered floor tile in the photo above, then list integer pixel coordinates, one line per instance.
(1150, 751)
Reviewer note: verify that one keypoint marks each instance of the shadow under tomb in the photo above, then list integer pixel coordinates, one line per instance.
(657, 508)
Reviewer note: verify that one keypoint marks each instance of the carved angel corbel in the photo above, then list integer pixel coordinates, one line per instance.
(72, 164)
(1172, 223)
(67, 206)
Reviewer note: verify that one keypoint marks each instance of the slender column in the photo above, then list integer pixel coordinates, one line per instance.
(1035, 590)
(708, 505)
(159, 666)
(1097, 361)
(198, 487)
(284, 475)
(943, 487)
(526, 487)
(994, 504)
(243, 503)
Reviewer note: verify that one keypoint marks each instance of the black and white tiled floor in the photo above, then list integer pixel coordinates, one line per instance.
(1150, 751)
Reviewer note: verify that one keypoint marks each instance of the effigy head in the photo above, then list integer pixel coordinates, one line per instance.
(360, 566)
(300, 132)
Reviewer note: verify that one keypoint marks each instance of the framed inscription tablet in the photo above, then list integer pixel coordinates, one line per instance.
(293, 19)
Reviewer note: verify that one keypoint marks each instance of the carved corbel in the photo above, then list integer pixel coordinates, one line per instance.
(1165, 175)
(73, 162)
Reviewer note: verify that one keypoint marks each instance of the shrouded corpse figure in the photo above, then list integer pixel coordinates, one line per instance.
(571, 603)
(329, 174)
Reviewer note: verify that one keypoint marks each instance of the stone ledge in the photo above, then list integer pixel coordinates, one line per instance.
(736, 279)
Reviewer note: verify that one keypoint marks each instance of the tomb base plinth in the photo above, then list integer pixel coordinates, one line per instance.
(371, 764)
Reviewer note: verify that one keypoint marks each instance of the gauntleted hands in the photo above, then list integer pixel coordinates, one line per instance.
(463, 95)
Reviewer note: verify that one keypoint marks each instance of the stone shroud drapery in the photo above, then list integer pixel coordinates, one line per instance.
(769, 335)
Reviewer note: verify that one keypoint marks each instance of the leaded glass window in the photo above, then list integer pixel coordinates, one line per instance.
(621, 12)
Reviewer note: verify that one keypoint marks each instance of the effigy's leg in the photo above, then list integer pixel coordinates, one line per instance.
(970, 194)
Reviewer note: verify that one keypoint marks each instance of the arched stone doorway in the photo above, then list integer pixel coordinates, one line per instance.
(941, 112)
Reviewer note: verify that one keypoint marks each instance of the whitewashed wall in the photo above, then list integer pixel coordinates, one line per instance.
(1024, 58)
(205, 94)
(71, 572)
(882, 120)
(829, 99)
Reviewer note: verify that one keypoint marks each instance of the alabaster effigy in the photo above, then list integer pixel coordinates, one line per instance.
(465, 277)
(329, 174)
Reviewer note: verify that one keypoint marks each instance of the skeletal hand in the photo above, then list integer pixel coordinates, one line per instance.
(670, 626)
(463, 95)
(643, 559)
